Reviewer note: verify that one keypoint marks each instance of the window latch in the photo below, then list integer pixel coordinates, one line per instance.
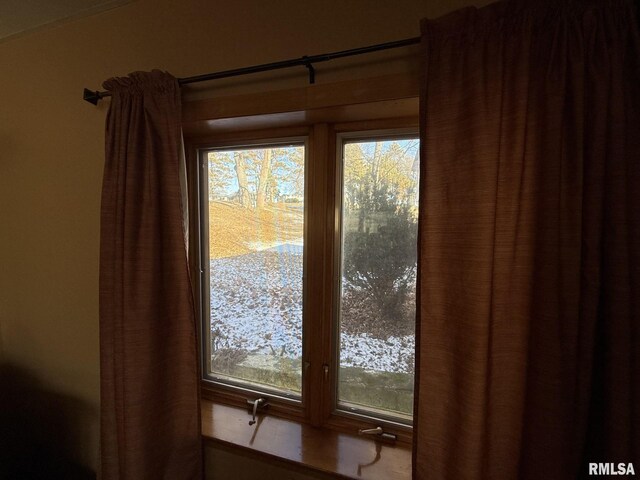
(378, 432)
(255, 405)
(371, 431)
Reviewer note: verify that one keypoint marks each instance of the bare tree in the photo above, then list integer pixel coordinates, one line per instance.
(243, 184)
(263, 179)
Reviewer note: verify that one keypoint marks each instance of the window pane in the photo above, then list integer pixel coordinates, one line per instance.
(256, 230)
(378, 275)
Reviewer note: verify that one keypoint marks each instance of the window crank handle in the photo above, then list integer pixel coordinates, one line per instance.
(256, 404)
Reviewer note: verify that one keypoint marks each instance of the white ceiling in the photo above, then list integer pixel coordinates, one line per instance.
(18, 17)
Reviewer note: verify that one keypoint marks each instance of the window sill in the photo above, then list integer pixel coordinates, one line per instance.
(318, 449)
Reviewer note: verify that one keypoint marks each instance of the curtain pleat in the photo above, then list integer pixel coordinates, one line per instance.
(150, 426)
(529, 269)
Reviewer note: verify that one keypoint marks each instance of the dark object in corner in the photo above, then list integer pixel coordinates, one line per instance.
(36, 431)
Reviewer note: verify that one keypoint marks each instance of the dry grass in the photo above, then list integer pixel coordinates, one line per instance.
(233, 229)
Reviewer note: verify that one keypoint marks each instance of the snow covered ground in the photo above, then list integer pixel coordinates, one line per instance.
(259, 310)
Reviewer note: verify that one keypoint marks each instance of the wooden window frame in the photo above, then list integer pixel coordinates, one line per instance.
(320, 113)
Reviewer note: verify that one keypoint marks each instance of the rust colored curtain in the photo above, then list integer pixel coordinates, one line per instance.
(529, 264)
(150, 425)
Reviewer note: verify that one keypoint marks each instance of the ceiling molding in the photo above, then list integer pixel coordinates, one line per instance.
(19, 18)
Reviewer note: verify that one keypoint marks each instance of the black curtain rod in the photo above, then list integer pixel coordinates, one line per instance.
(94, 96)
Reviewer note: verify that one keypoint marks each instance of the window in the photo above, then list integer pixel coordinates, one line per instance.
(255, 246)
(307, 261)
(379, 228)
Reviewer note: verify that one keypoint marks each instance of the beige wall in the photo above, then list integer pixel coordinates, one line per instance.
(51, 144)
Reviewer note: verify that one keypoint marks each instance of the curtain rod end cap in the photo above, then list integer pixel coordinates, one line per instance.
(91, 96)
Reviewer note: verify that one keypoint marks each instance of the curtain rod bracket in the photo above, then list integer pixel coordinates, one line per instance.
(312, 71)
